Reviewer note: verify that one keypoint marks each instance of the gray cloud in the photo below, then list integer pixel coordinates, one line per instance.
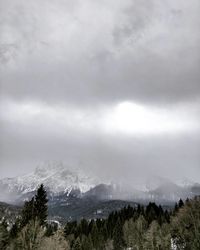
(135, 50)
(111, 157)
(82, 55)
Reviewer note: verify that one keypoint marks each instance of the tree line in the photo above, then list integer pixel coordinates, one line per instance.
(137, 228)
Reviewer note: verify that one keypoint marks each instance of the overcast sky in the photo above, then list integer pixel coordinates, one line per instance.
(109, 86)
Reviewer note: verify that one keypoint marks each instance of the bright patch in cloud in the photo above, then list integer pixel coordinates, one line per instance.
(125, 118)
(131, 118)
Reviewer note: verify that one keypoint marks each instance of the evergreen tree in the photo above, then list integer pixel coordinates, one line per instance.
(175, 208)
(84, 227)
(77, 244)
(118, 240)
(110, 224)
(28, 213)
(35, 209)
(101, 244)
(166, 236)
(94, 235)
(104, 231)
(70, 228)
(180, 203)
(40, 205)
(128, 227)
(87, 243)
(134, 232)
(4, 235)
(15, 229)
(186, 226)
(167, 216)
(157, 237)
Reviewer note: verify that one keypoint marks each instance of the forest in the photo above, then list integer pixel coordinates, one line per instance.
(141, 227)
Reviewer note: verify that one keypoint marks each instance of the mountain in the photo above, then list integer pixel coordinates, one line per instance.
(169, 191)
(56, 178)
(73, 194)
(61, 183)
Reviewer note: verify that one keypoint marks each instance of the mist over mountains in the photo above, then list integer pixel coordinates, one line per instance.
(63, 183)
(106, 95)
(113, 94)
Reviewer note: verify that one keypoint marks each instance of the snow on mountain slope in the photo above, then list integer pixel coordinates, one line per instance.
(55, 177)
(59, 181)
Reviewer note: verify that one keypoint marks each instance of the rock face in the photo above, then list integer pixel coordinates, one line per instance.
(56, 178)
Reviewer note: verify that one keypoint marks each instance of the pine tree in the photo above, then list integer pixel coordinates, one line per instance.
(101, 244)
(134, 232)
(157, 237)
(4, 235)
(70, 228)
(40, 205)
(186, 226)
(118, 241)
(166, 236)
(27, 213)
(94, 235)
(104, 231)
(180, 203)
(167, 216)
(77, 244)
(84, 227)
(87, 243)
(14, 229)
(110, 224)
(35, 209)
(176, 208)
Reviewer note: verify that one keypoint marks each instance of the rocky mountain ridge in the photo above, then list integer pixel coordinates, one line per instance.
(62, 184)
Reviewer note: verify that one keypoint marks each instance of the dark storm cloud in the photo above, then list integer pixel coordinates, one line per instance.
(66, 65)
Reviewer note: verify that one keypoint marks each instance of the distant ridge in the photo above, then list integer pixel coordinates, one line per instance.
(62, 183)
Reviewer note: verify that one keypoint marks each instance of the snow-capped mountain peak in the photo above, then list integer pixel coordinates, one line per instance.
(56, 178)
(60, 180)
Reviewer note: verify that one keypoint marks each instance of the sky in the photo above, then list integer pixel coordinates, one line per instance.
(111, 87)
